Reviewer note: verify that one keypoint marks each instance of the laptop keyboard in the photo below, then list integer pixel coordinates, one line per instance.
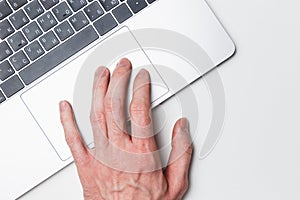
(38, 35)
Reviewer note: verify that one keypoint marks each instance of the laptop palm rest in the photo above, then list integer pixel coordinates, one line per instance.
(73, 82)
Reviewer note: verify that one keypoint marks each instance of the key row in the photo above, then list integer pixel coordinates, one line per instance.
(14, 84)
(62, 11)
(48, 40)
(47, 20)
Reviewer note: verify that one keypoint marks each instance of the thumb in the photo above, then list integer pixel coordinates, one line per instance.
(178, 166)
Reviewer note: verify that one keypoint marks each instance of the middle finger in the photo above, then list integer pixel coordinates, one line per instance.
(115, 102)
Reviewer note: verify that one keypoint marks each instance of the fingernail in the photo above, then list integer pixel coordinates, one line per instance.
(99, 72)
(62, 106)
(143, 73)
(123, 62)
(104, 72)
(184, 125)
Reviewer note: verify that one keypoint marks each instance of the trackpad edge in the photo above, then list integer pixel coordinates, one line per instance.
(43, 99)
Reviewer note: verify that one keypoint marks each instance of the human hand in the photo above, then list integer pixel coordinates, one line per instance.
(126, 166)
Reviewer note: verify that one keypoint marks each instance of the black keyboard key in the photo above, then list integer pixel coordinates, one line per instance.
(122, 13)
(34, 9)
(5, 50)
(49, 40)
(5, 10)
(17, 41)
(49, 3)
(93, 11)
(58, 55)
(34, 50)
(2, 97)
(19, 60)
(151, 1)
(62, 11)
(32, 31)
(64, 31)
(6, 70)
(5, 29)
(47, 21)
(105, 24)
(109, 4)
(137, 5)
(16, 4)
(77, 4)
(12, 86)
(19, 19)
(79, 21)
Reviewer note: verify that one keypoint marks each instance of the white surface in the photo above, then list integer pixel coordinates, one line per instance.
(258, 154)
(207, 33)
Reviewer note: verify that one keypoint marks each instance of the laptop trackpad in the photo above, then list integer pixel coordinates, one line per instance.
(74, 81)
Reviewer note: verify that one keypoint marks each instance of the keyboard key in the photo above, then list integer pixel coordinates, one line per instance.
(12, 86)
(5, 70)
(137, 5)
(47, 21)
(19, 19)
(32, 31)
(5, 29)
(77, 4)
(79, 21)
(33, 9)
(34, 50)
(49, 40)
(122, 13)
(49, 3)
(105, 24)
(19, 60)
(109, 4)
(16, 4)
(5, 10)
(2, 97)
(93, 11)
(64, 31)
(17, 41)
(60, 53)
(150, 1)
(62, 11)
(5, 50)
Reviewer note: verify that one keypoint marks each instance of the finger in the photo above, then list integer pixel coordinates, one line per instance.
(115, 102)
(178, 167)
(72, 135)
(140, 113)
(97, 115)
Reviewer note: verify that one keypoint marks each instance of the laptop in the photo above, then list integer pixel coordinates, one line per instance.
(49, 50)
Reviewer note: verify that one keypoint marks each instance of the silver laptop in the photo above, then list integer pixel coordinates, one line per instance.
(49, 50)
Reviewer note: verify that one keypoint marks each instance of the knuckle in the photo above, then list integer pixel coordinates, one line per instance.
(115, 128)
(97, 117)
(69, 140)
(72, 138)
(81, 160)
(139, 108)
(140, 112)
(189, 149)
(108, 104)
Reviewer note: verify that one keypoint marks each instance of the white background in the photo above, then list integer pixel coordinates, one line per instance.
(258, 156)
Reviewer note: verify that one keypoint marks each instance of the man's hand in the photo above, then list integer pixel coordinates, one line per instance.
(126, 166)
